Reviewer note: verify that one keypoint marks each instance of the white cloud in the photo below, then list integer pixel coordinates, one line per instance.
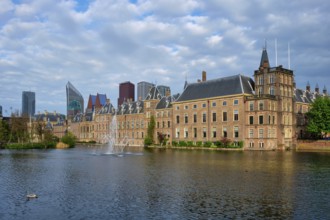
(45, 43)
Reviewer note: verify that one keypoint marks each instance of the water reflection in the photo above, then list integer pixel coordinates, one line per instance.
(164, 184)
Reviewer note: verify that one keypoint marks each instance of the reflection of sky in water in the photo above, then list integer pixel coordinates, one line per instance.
(164, 184)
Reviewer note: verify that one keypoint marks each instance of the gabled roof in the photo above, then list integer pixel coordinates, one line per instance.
(102, 98)
(166, 101)
(153, 94)
(230, 85)
(130, 108)
(107, 109)
(306, 96)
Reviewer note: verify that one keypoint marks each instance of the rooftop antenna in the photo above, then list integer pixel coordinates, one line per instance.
(289, 64)
(275, 51)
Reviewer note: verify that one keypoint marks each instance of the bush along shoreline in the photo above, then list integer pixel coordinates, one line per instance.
(222, 144)
(42, 145)
(69, 139)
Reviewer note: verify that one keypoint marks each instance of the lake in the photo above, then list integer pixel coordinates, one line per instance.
(82, 183)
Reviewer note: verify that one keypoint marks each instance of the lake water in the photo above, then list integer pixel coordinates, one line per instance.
(80, 183)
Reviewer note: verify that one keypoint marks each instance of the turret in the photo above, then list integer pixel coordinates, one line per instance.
(317, 89)
(308, 87)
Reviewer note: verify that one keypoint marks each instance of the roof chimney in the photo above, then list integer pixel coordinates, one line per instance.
(203, 76)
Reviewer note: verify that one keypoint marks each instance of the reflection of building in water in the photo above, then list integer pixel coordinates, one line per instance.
(266, 112)
(74, 100)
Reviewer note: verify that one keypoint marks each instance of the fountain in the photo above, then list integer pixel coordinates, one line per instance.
(114, 145)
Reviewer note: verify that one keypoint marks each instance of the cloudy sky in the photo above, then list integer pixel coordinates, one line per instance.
(97, 44)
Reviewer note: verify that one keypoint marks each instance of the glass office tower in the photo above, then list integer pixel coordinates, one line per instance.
(74, 101)
(28, 103)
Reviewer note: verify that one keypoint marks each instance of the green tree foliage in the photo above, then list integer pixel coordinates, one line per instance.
(149, 139)
(319, 117)
(4, 133)
(69, 139)
(18, 128)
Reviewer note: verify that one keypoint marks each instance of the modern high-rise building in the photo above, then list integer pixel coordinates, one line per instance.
(28, 103)
(143, 89)
(74, 101)
(126, 92)
(164, 90)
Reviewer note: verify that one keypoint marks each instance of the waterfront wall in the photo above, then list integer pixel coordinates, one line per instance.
(313, 145)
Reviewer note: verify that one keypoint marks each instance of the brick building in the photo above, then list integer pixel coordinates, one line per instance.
(264, 113)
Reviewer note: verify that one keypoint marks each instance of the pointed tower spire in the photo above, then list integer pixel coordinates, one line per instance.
(325, 90)
(308, 87)
(264, 62)
(317, 89)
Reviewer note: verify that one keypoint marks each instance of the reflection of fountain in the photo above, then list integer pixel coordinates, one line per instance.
(114, 145)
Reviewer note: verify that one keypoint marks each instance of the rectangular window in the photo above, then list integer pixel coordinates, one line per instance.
(236, 102)
(214, 132)
(214, 116)
(195, 132)
(178, 119)
(251, 120)
(261, 144)
(225, 132)
(224, 103)
(251, 106)
(185, 132)
(157, 124)
(251, 133)
(177, 133)
(204, 132)
(204, 117)
(195, 118)
(261, 133)
(195, 106)
(214, 104)
(261, 105)
(269, 119)
(186, 118)
(204, 105)
(177, 108)
(224, 116)
(235, 115)
(251, 145)
(261, 119)
(186, 107)
(168, 124)
(236, 132)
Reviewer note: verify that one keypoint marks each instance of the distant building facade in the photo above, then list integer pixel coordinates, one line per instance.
(28, 103)
(74, 100)
(126, 92)
(164, 90)
(0, 111)
(143, 89)
(265, 112)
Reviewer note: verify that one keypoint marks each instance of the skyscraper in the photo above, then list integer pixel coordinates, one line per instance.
(143, 88)
(28, 103)
(126, 92)
(164, 90)
(74, 101)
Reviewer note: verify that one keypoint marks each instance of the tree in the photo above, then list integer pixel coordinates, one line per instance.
(149, 139)
(69, 139)
(319, 117)
(4, 132)
(18, 128)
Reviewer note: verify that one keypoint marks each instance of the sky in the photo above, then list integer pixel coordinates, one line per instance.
(97, 44)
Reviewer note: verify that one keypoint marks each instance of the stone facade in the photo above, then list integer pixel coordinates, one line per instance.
(265, 113)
